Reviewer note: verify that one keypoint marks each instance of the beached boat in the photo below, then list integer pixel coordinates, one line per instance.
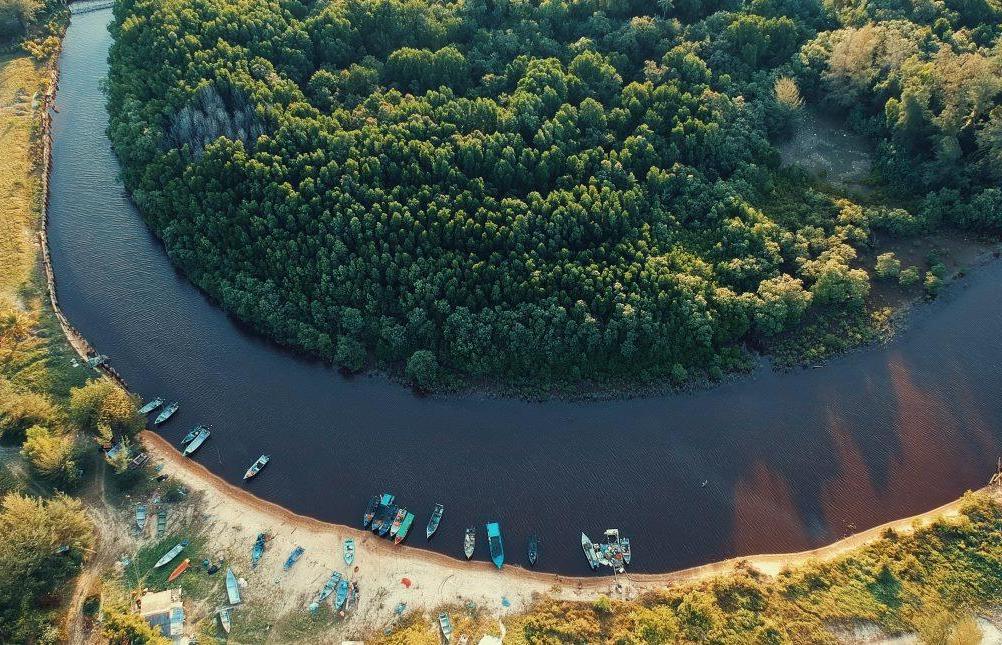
(326, 591)
(161, 521)
(224, 620)
(446, 625)
(387, 521)
(405, 528)
(434, 521)
(291, 560)
(589, 551)
(150, 406)
(370, 511)
(258, 549)
(197, 442)
(232, 587)
(496, 544)
(625, 545)
(141, 517)
(397, 521)
(191, 435)
(179, 569)
(167, 413)
(170, 555)
(261, 462)
(342, 593)
(469, 542)
(349, 551)
(533, 549)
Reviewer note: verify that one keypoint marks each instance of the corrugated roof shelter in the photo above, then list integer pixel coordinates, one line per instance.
(163, 610)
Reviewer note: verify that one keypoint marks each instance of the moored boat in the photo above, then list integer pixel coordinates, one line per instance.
(261, 462)
(533, 549)
(469, 542)
(197, 442)
(179, 569)
(387, 523)
(349, 551)
(232, 587)
(258, 549)
(434, 520)
(342, 593)
(170, 555)
(589, 551)
(625, 544)
(167, 413)
(397, 521)
(370, 511)
(446, 625)
(495, 543)
(141, 517)
(405, 528)
(150, 406)
(191, 435)
(224, 619)
(291, 560)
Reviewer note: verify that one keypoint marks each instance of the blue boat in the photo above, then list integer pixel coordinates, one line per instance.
(370, 511)
(342, 593)
(166, 413)
(291, 560)
(328, 589)
(196, 443)
(387, 523)
(151, 406)
(232, 587)
(258, 549)
(497, 546)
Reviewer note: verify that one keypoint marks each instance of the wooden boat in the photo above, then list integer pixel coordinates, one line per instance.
(170, 555)
(141, 517)
(197, 442)
(258, 549)
(261, 462)
(625, 545)
(342, 593)
(533, 550)
(397, 521)
(469, 542)
(387, 523)
(349, 551)
(291, 560)
(150, 406)
(232, 587)
(191, 435)
(405, 528)
(446, 625)
(167, 413)
(589, 551)
(434, 520)
(181, 568)
(326, 591)
(496, 544)
(161, 521)
(224, 620)
(370, 511)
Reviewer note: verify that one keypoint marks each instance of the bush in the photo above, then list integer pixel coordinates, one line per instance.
(908, 276)
(932, 284)
(888, 266)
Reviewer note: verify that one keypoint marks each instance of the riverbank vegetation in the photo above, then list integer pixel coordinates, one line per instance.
(548, 192)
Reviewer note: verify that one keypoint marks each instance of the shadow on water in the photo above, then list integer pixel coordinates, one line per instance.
(790, 460)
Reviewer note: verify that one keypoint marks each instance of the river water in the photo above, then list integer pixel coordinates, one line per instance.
(790, 460)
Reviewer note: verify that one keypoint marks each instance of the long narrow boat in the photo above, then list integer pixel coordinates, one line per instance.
(627, 554)
(291, 560)
(170, 555)
(370, 511)
(387, 520)
(405, 528)
(167, 413)
(446, 625)
(197, 442)
(397, 521)
(589, 551)
(181, 568)
(434, 521)
(256, 467)
(326, 591)
(496, 544)
(224, 619)
(191, 435)
(232, 587)
(533, 550)
(150, 406)
(342, 593)
(258, 549)
(469, 542)
(349, 551)
(141, 517)
(161, 521)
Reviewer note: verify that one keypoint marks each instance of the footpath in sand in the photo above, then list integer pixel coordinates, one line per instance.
(236, 517)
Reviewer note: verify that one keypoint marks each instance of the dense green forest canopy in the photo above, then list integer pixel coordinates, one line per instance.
(543, 189)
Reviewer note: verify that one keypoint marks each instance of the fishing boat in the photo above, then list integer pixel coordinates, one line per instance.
(370, 511)
(141, 517)
(232, 587)
(434, 521)
(167, 413)
(624, 544)
(387, 523)
(349, 551)
(258, 549)
(446, 625)
(161, 521)
(150, 406)
(257, 466)
(342, 593)
(197, 442)
(469, 542)
(397, 521)
(405, 528)
(533, 550)
(181, 568)
(224, 620)
(291, 560)
(496, 545)
(328, 589)
(191, 435)
(170, 555)
(589, 551)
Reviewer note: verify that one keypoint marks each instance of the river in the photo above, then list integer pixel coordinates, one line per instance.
(789, 460)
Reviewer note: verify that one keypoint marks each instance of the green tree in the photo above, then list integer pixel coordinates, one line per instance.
(888, 266)
(422, 369)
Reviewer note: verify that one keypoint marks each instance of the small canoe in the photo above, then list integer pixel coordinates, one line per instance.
(258, 549)
(349, 551)
(141, 517)
(533, 550)
(170, 555)
(197, 442)
(232, 587)
(446, 625)
(256, 467)
(625, 544)
(370, 511)
(469, 542)
(589, 551)
(291, 560)
(167, 413)
(397, 521)
(151, 406)
(191, 435)
(495, 543)
(161, 521)
(434, 521)
(405, 528)
(342, 593)
(224, 620)
(181, 568)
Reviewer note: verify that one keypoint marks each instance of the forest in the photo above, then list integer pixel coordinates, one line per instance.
(548, 190)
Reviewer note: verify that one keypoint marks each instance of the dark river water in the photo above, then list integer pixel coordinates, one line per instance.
(791, 460)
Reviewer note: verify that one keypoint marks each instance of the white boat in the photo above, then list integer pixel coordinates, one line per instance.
(151, 406)
(170, 555)
(257, 466)
(197, 442)
(224, 620)
(167, 413)
(232, 587)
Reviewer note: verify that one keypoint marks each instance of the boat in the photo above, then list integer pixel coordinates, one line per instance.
(625, 544)
(232, 587)
(533, 549)
(150, 406)
(397, 521)
(258, 549)
(342, 593)
(446, 625)
(469, 542)
(161, 521)
(328, 589)
(349, 551)
(370, 511)
(589, 551)
(496, 544)
(197, 442)
(191, 435)
(181, 568)
(405, 528)
(257, 466)
(434, 521)
(387, 523)
(291, 560)
(167, 413)
(224, 619)
(141, 517)
(170, 555)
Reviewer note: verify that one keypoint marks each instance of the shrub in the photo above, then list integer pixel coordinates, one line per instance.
(888, 266)
(908, 276)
